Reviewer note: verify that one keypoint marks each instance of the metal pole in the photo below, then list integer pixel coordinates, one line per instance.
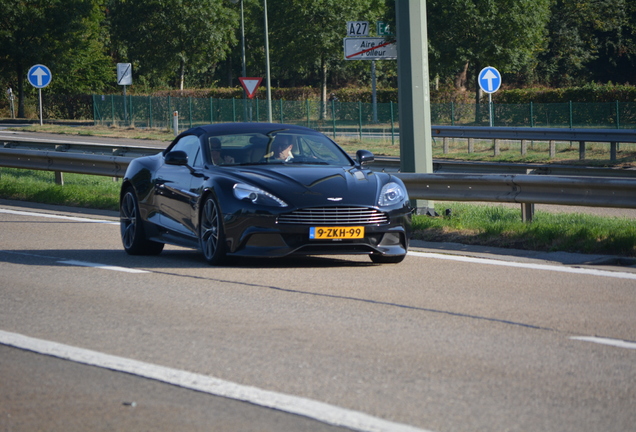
(374, 95)
(245, 118)
(40, 97)
(269, 83)
(414, 109)
(125, 107)
(333, 117)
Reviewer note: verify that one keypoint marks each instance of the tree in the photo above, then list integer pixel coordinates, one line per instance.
(58, 33)
(470, 34)
(306, 35)
(166, 38)
(590, 40)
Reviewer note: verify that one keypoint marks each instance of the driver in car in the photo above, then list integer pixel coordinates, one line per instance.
(215, 153)
(283, 148)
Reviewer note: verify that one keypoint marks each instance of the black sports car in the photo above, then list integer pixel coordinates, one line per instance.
(262, 190)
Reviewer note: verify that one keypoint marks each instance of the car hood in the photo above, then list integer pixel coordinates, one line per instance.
(301, 186)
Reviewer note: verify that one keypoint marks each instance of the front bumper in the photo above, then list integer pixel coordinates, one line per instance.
(263, 236)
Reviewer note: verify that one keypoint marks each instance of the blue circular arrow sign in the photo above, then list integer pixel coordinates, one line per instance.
(39, 76)
(489, 79)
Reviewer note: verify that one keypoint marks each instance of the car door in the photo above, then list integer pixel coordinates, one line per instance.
(173, 194)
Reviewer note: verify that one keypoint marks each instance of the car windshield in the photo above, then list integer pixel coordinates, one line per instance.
(283, 147)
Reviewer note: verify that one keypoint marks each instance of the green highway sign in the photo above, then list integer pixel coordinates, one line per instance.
(382, 29)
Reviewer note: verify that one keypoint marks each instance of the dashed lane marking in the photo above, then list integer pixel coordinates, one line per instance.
(547, 267)
(606, 341)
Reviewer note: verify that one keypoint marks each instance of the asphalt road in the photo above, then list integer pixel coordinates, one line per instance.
(444, 341)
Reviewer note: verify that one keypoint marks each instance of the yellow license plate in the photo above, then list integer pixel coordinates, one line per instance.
(326, 233)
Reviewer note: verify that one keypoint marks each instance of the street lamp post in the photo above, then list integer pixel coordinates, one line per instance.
(269, 86)
(243, 56)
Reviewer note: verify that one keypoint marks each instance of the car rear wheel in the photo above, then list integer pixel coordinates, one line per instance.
(387, 259)
(133, 236)
(211, 233)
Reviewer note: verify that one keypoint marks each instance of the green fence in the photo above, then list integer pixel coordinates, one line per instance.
(355, 117)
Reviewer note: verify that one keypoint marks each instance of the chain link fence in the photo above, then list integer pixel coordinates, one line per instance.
(352, 117)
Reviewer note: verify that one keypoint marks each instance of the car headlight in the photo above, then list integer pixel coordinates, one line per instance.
(391, 194)
(258, 196)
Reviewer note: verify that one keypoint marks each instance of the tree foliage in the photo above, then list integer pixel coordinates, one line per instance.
(197, 44)
(590, 41)
(165, 39)
(63, 34)
(471, 34)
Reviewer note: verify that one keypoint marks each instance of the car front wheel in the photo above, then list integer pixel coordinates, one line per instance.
(211, 234)
(133, 236)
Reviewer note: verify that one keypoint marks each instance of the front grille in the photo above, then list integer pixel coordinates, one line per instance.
(335, 216)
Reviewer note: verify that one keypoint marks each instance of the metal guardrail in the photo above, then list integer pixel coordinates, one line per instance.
(536, 134)
(78, 163)
(388, 164)
(523, 189)
(510, 183)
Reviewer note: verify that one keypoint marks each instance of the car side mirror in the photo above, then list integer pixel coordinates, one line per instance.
(177, 157)
(364, 157)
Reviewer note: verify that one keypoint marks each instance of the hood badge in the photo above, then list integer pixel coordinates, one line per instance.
(335, 199)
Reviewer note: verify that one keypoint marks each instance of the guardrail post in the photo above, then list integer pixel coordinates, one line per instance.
(524, 147)
(613, 147)
(552, 149)
(445, 141)
(581, 150)
(495, 145)
(527, 212)
(471, 145)
(59, 178)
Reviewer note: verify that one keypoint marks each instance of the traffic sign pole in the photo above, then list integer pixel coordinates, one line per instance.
(489, 80)
(40, 98)
(39, 76)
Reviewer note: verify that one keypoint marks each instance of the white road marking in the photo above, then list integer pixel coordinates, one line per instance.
(323, 412)
(52, 216)
(547, 267)
(102, 266)
(606, 341)
(78, 263)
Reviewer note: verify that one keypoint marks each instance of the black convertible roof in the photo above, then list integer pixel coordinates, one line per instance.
(231, 128)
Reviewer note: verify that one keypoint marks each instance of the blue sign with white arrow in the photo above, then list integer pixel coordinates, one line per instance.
(39, 76)
(489, 79)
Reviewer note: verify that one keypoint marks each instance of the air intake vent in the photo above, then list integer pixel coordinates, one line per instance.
(335, 216)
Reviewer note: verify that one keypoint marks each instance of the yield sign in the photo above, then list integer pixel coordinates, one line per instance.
(250, 85)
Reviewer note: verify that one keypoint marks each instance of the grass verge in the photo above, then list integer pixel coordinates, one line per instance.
(500, 226)
(497, 226)
(79, 190)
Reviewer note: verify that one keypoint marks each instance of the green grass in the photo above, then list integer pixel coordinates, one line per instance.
(501, 226)
(78, 190)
